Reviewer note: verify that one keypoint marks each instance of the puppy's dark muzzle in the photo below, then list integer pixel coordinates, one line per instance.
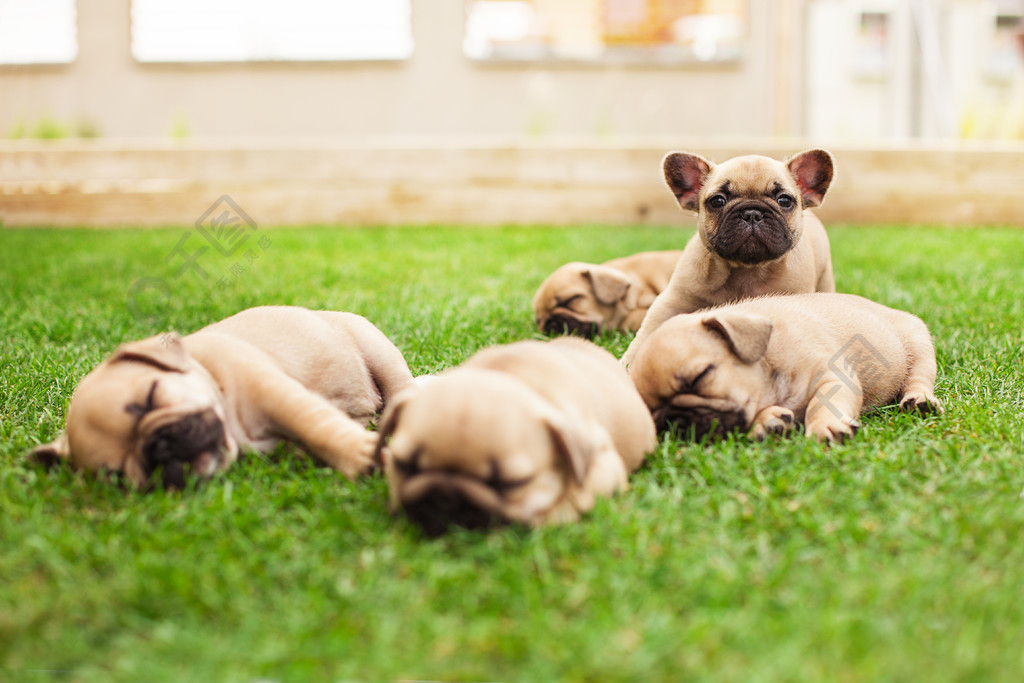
(438, 511)
(183, 448)
(557, 325)
(752, 232)
(700, 421)
(437, 501)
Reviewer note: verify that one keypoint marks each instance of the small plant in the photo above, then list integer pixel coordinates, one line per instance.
(48, 128)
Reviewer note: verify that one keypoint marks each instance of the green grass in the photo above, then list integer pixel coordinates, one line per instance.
(897, 556)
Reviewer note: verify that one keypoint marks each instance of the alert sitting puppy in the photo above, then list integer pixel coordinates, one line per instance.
(184, 406)
(754, 235)
(531, 432)
(765, 364)
(588, 298)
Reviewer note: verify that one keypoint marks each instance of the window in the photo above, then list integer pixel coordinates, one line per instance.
(37, 32)
(270, 30)
(646, 31)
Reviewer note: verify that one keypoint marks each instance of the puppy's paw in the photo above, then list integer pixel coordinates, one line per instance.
(357, 457)
(834, 430)
(922, 402)
(772, 420)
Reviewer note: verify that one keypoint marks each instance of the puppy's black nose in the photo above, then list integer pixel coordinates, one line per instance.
(437, 510)
(173, 448)
(699, 421)
(564, 325)
(753, 216)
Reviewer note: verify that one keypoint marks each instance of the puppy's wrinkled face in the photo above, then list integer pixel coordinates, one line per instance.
(581, 299)
(146, 412)
(749, 209)
(474, 449)
(703, 373)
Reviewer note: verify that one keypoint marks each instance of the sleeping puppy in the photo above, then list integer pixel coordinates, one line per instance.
(754, 234)
(766, 364)
(589, 298)
(179, 407)
(531, 432)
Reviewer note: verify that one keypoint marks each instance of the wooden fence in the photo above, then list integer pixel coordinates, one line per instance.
(108, 184)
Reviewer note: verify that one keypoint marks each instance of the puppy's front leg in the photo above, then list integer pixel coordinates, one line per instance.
(833, 409)
(326, 432)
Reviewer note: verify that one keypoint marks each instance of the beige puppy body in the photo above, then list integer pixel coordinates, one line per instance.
(530, 432)
(266, 374)
(589, 298)
(754, 234)
(765, 364)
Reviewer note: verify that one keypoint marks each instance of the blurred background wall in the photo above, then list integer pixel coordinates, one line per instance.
(153, 90)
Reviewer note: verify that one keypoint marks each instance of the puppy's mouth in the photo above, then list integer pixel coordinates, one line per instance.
(752, 232)
(564, 324)
(437, 501)
(700, 420)
(192, 446)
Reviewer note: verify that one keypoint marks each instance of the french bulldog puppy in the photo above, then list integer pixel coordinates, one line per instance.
(588, 298)
(184, 407)
(766, 364)
(754, 234)
(530, 432)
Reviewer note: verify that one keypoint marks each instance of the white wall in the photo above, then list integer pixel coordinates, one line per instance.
(437, 93)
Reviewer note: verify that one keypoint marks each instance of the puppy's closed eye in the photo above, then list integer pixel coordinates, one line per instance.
(502, 485)
(410, 466)
(140, 409)
(565, 303)
(690, 386)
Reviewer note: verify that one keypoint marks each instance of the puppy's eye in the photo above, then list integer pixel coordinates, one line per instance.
(565, 303)
(502, 485)
(707, 371)
(690, 386)
(409, 466)
(785, 201)
(140, 409)
(716, 201)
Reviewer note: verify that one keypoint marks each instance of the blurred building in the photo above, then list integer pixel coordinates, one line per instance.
(847, 70)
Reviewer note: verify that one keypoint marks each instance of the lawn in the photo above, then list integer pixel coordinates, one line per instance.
(897, 556)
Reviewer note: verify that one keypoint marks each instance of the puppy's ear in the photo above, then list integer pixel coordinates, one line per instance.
(572, 446)
(389, 421)
(747, 335)
(50, 454)
(164, 351)
(685, 174)
(609, 285)
(812, 171)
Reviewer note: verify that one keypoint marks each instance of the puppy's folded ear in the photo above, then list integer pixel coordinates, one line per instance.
(389, 421)
(812, 171)
(609, 285)
(50, 454)
(572, 445)
(164, 351)
(685, 174)
(747, 335)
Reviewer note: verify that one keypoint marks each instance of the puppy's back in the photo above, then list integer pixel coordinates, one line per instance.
(578, 376)
(829, 330)
(844, 315)
(323, 350)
